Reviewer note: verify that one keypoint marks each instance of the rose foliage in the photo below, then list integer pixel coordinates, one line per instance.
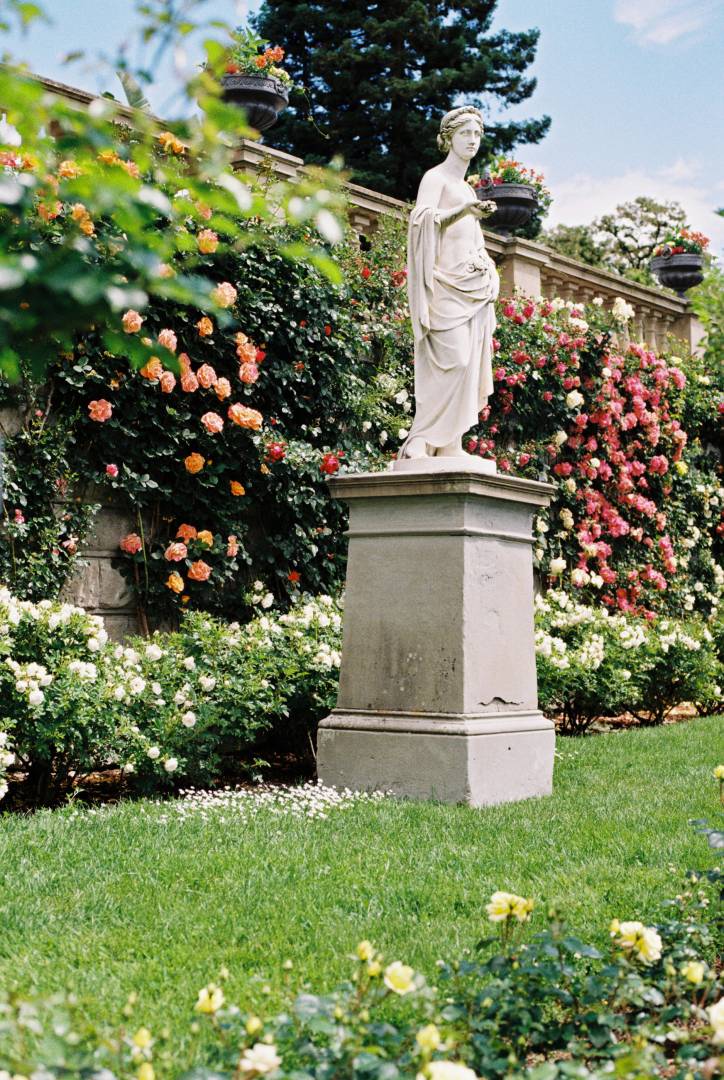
(538, 1005)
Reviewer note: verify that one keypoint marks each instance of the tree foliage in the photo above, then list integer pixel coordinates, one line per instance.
(622, 242)
(378, 77)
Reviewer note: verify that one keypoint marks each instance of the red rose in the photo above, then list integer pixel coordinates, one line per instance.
(365, 272)
(329, 464)
(327, 329)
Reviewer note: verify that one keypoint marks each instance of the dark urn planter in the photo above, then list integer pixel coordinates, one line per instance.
(516, 204)
(262, 98)
(678, 272)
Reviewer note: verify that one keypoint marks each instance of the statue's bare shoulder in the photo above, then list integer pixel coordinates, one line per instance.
(431, 187)
(438, 189)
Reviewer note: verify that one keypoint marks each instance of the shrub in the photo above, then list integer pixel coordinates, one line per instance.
(552, 1005)
(184, 706)
(593, 664)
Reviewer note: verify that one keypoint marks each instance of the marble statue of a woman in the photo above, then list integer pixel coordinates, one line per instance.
(452, 284)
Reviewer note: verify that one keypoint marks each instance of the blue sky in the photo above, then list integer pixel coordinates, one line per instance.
(633, 87)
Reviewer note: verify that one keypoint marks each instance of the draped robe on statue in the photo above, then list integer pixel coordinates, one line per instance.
(453, 319)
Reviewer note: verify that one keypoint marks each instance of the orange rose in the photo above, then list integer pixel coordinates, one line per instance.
(175, 582)
(175, 552)
(199, 571)
(206, 376)
(132, 321)
(212, 422)
(205, 326)
(168, 382)
(170, 143)
(69, 170)
(153, 370)
(184, 362)
(206, 538)
(186, 533)
(131, 543)
(222, 389)
(246, 418)
(168, 339)
(194, 463)
(207, 241)
(237, 488)
(100, 410)
(224, 295)
(189, 382)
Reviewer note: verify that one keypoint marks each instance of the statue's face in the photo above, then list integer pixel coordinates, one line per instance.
(466, 140)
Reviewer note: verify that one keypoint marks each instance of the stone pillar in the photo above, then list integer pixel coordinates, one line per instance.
(438, 695)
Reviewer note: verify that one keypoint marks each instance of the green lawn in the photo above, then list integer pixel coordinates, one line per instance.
(120, 901)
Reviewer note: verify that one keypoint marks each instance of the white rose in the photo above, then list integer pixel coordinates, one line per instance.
(137, 685)
(208, 682)
(119, 693)
(36, 697)
(574, 399)
(156, 689)
(153, 752)
(267, 600)
(402, 433)
(401, 397)
(559, 438)
(170, 764)
(189, 663)
(94, 644)
(366, 425)
(557, 566)
(153, 652)
(179, 697)
(188, 719)
(260, 1059)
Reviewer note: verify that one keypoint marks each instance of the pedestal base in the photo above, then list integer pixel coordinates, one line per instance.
(475, 760)
(437, 694)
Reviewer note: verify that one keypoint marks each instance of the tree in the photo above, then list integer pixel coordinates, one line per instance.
(576, 242)
(622, 242)
(378, 77)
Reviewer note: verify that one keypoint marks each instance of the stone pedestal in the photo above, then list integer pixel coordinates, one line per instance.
(438, 696)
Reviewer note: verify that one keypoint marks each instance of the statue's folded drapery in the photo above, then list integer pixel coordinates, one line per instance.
(453, 319)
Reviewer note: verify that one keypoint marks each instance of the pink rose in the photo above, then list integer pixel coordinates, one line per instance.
(168, 339)
(112, 470)
(100, 410)
(232, 548)
(167, 382)
(206, 376)
(175, 552)
(212, 422)
(131, 543)
(132, 322)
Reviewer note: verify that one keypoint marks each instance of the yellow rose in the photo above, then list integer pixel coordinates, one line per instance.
(719, 772)
(716, 1019)
(374, 968)
(694, 972)
(428, 1038)
(253, 1025)
(500, 906)
(641, 942)
(522, 908)
(206, 537)
(446, 1070)
(399, 978)
(145, 1071)
(681, 467)
(211, 998)
(142, 1038)
(365, 950)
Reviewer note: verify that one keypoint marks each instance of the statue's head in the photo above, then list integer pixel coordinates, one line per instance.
(455, 119)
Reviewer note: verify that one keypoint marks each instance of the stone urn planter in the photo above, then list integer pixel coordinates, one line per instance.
(261, 97)
(679, 272)
(516, 204)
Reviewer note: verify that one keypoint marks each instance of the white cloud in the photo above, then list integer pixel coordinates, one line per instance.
(580, 198)
(661, 22)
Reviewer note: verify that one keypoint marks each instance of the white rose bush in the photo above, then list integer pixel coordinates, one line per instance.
(181, 706)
